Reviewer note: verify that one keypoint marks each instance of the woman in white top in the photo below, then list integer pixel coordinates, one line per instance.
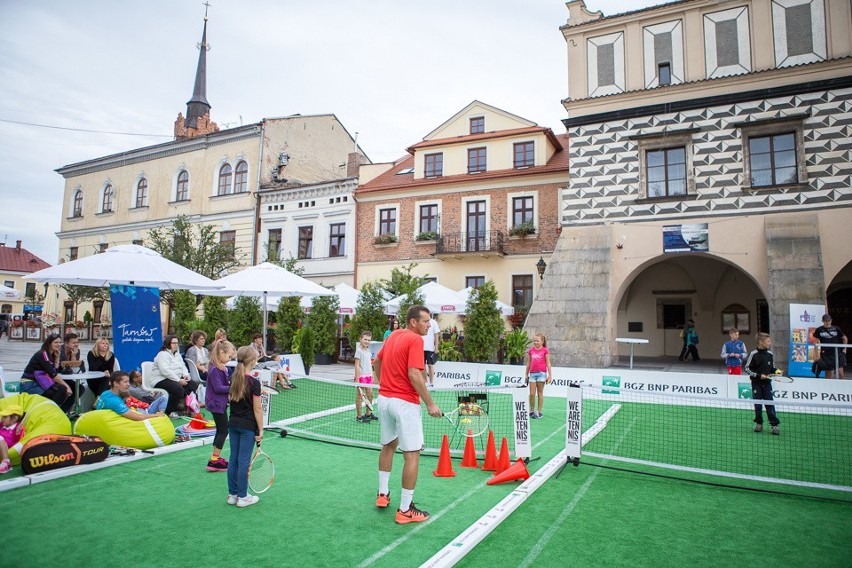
(198, 354)
(170, 374)
(364, 378)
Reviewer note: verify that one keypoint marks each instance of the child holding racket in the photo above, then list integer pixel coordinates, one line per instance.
(216, 400)
(539, 372)
(364, 378)
(760, 367)
(244, 426)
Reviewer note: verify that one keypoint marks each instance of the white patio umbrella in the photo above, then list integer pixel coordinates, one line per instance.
(437, 298)
(9, 293)
(132, 265)
(263, 281)
(347, 296)
(505, 309)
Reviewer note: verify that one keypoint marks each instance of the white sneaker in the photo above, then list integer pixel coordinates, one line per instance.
(247, 500)
(232, 499)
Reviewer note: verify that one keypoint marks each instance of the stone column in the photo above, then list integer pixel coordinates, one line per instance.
(795, 274)
(572, 306)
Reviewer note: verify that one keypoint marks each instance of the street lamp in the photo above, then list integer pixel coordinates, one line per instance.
(540, 266)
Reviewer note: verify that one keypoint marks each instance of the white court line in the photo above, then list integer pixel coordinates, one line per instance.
(473, 535)
(389, 548)
(557, 524)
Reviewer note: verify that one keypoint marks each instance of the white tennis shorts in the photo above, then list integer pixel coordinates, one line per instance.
(400, 419)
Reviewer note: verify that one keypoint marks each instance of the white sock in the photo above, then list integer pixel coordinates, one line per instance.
(384, 478)
(405, 499)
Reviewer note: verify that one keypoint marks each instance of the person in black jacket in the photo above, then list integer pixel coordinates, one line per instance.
(761, 366)
(45, 360)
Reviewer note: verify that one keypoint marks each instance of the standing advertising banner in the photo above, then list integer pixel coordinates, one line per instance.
(574, 422)
(520, 402)
(136, 329)
(804, 319)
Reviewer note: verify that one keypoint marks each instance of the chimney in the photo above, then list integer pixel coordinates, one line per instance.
(18, 246)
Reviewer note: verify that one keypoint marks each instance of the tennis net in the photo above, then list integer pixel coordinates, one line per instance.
(693, 436)
(324, 409)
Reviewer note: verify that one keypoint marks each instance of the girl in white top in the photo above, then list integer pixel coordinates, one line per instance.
(364, 376)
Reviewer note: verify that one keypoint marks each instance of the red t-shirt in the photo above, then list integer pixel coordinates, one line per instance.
(402, 350)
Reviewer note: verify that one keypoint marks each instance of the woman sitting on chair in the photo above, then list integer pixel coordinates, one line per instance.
(198, 354)
(41, 377)
(100, 358)
(170, 374)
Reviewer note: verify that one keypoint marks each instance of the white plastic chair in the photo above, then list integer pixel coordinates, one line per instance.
(147, 372)
(195, 376)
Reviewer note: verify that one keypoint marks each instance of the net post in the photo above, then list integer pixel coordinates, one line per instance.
(573, 425)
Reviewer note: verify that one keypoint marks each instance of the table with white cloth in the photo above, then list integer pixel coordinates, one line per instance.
(77, 377)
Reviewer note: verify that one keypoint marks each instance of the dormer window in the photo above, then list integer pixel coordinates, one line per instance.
(475, 160)
(524, 154)
(434, 165)
(477, 125)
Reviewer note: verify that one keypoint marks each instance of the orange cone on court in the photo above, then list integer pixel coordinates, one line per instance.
(198, 422)
(445, 464)
(504, 461)
(469, 459)
(490, 454)
(517, 472)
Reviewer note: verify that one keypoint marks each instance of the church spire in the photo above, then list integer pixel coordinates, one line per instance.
(197, 121)
(198, 106)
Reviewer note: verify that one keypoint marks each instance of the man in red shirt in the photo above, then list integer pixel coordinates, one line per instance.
(399, 370)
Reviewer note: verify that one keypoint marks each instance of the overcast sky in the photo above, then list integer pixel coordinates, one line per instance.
(391, 70)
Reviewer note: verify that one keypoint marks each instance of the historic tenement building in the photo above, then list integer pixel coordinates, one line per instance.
(711, 173)
(477, 199)
(212, 176)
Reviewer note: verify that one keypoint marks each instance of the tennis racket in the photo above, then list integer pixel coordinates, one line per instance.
(469, 419)
(261, 472)
(364, 398)
(782, 378)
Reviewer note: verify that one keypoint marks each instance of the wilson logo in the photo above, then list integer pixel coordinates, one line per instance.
(50, 459)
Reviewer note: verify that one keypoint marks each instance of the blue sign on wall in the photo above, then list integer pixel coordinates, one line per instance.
(136, 329)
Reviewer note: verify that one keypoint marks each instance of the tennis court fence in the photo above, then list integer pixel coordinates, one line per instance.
(692, 437)
(324, 409)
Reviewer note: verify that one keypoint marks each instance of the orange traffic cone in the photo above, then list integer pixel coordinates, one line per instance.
(445, 464)
(490, 454)
(517, 472)
(469, 459)
(504, 461)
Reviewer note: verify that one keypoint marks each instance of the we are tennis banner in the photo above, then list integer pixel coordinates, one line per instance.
(136, 329)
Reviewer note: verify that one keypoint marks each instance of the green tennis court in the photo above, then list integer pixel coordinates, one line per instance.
(167, 511)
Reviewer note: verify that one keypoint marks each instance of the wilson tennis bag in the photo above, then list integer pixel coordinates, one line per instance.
(53, 451)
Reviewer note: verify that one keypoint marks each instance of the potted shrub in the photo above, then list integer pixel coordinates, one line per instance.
(515, 345)
(322, 320)
(385, 239)
(304, 339)
(523, 229)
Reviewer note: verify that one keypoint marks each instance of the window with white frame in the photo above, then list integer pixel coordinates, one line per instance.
(241, 177)
(428, 222)
(524, 154)
(434, 164)
(108, 199)
(225, 178)
(182, 186)
(387, 221)
(477, 125)
(476, 160)
(77, 204)
(142, 193)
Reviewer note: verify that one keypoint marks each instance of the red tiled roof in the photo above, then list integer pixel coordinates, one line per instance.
(389, 180)
(13, 259)
(485, 136)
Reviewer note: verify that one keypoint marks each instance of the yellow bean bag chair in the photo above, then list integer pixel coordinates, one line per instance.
(41, 416)
(116, 430)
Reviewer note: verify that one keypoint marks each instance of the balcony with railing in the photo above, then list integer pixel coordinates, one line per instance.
(484, 243)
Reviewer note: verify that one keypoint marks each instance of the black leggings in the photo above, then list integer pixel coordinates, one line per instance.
(221, 420)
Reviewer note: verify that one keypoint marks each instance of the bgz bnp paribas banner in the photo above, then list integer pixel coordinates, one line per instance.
(136, 329)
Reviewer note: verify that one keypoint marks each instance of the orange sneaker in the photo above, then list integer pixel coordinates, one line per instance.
(412, 515)
(382, 500)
